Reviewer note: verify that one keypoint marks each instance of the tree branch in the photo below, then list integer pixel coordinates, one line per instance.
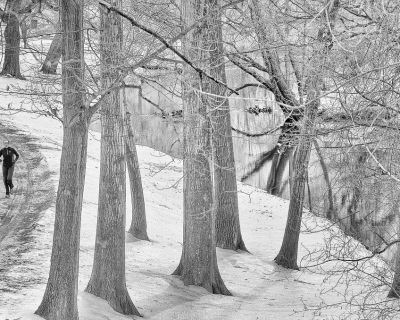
(164, 42)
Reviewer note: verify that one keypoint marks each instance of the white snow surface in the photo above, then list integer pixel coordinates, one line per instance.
(260, 289)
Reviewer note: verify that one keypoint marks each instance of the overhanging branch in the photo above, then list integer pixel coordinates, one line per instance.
(164, 42)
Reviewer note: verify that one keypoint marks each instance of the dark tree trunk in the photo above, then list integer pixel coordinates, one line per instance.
(53, 55)
(198, 265)
(138, 226)
(107, 280)
(12, 47)
(279, 163)
(60, 298)
(228, 234)
(287, 256)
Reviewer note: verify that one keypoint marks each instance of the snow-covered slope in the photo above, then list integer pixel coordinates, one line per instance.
(261, 289)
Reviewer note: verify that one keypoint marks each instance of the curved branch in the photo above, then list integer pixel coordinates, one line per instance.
(247, 134)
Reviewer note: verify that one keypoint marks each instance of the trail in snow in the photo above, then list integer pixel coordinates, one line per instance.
(19, 215)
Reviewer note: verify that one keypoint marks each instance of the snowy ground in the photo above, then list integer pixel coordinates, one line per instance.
(261, 289)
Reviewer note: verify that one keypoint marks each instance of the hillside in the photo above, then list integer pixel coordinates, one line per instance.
(261, 289)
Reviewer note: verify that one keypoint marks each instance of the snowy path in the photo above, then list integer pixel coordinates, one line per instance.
(19, 215)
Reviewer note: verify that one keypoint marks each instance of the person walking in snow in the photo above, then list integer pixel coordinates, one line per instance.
(8, 154)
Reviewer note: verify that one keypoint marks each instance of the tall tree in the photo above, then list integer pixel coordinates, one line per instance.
(12, 38)
(138, 226)
(228, 234)
(198, 264)
(60, 298)
(287, 256)
(107, 280)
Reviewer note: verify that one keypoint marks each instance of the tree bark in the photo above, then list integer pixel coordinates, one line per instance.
(60, 297)
(138, 226)
(198, 264)
(107, 280)
(228, 234)
(287, 256)
(279, 163)
(53, 55)
(12, 38)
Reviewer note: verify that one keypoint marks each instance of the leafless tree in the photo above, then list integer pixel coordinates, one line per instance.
(198, 265)
(108, 275)
(60, 298)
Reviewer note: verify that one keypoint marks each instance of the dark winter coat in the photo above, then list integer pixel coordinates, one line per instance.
(7, 154)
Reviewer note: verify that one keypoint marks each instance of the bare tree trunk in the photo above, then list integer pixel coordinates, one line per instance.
(287, 256)
(279, 163)
(198, 265)
(60, 298)
(138, 226)
(108, 275)
(228, 235)
(53, 55)
(12, 38)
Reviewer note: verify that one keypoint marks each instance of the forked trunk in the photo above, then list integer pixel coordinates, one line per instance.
(107, 280)
(60, 298)
(287, 256)
(198, 265)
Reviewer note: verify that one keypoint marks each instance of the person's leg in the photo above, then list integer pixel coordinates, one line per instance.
(9, 176)
(5, 174)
